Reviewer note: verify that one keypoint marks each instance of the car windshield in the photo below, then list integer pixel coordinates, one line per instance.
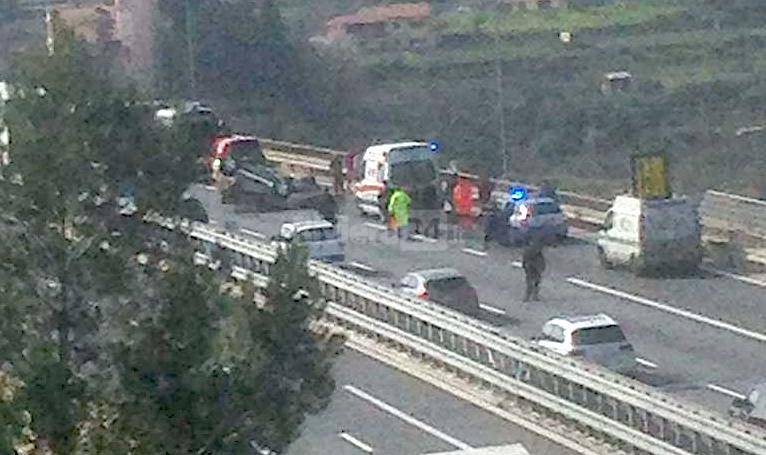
(409, 172)
(598, 335)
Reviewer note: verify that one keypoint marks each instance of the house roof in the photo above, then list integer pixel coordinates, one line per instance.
(384, 13)
(84, 20)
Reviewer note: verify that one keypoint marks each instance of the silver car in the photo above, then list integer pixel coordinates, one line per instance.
(598, 339)
(320, 237)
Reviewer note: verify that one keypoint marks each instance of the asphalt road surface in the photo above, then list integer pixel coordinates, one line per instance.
(701, 337)
(381, 409)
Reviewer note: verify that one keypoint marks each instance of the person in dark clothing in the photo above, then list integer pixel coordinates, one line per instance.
(533, 263)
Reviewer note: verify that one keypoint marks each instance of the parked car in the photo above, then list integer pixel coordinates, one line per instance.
(445, 286)
(596, 338)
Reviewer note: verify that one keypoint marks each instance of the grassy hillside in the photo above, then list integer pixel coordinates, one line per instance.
(698, 77)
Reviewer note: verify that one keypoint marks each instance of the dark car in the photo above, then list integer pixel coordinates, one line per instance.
(260, 188)
(444, 286)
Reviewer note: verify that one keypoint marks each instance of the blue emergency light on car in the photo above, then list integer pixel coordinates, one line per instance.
(433, 146)
(518, 193)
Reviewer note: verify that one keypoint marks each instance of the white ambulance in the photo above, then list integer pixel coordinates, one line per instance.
(403, 164)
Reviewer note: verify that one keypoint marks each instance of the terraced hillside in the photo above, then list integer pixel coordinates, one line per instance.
(697, 79)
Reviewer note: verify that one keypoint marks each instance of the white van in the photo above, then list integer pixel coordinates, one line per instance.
(651, 234)
(320, 237)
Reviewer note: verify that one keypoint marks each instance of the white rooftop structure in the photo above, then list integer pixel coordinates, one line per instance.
(511, 449)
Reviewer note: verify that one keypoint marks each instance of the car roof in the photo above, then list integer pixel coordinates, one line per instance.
(437, 274)
(572, 323)
(375, 152)
(300, 226)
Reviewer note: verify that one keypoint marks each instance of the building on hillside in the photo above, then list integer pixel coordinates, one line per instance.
(123, 27)
(378, 21)
(535, 4)
(617, 81)
(93, 23)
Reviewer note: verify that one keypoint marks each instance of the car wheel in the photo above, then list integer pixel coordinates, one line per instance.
(603, 259)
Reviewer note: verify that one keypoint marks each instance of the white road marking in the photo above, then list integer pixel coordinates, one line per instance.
(474, 252)
(725, 391)
(582, 234)
(210, 187)
(423, 238)
(670, 309)
(491, 309)
(646, 363)
(355, 442)
(361, 266)
(257, 235)
(742, 278)
(407, 418)
(377, 226)
(516, 264)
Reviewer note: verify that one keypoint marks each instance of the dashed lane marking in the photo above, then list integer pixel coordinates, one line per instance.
(361, 266)
(474, 252)
(742, 278)
(257, 235)
(377, 226)
(670, 309)
(646, 363)
(491, 309)
(516, 264)
(423, 238)
(725, 391)
(355, 442)
(407, 418)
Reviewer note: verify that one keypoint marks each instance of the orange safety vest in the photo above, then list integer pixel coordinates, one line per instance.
(463, 197)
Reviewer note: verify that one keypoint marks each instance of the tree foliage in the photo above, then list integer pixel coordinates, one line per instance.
(115, 341)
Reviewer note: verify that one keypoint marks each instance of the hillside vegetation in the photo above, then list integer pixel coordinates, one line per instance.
(697, 70)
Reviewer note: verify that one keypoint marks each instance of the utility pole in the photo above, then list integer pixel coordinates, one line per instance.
(49, 32)
(501, 114)
(190, 34)
(500, 98)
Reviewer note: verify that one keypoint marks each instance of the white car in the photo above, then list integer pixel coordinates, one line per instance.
(597, 338)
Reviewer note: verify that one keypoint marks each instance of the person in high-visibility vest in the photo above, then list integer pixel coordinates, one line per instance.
(399, 210)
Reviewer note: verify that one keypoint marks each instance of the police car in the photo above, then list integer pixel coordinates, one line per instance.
(520, 216)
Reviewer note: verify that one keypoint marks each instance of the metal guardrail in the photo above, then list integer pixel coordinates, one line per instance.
(633, 416)
(734, 214)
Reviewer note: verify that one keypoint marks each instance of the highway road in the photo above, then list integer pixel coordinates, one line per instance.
(701, 337)
(380, 410)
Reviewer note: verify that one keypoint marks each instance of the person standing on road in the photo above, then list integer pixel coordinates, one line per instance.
(533, 263)
(399, 208)
(336, 169)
